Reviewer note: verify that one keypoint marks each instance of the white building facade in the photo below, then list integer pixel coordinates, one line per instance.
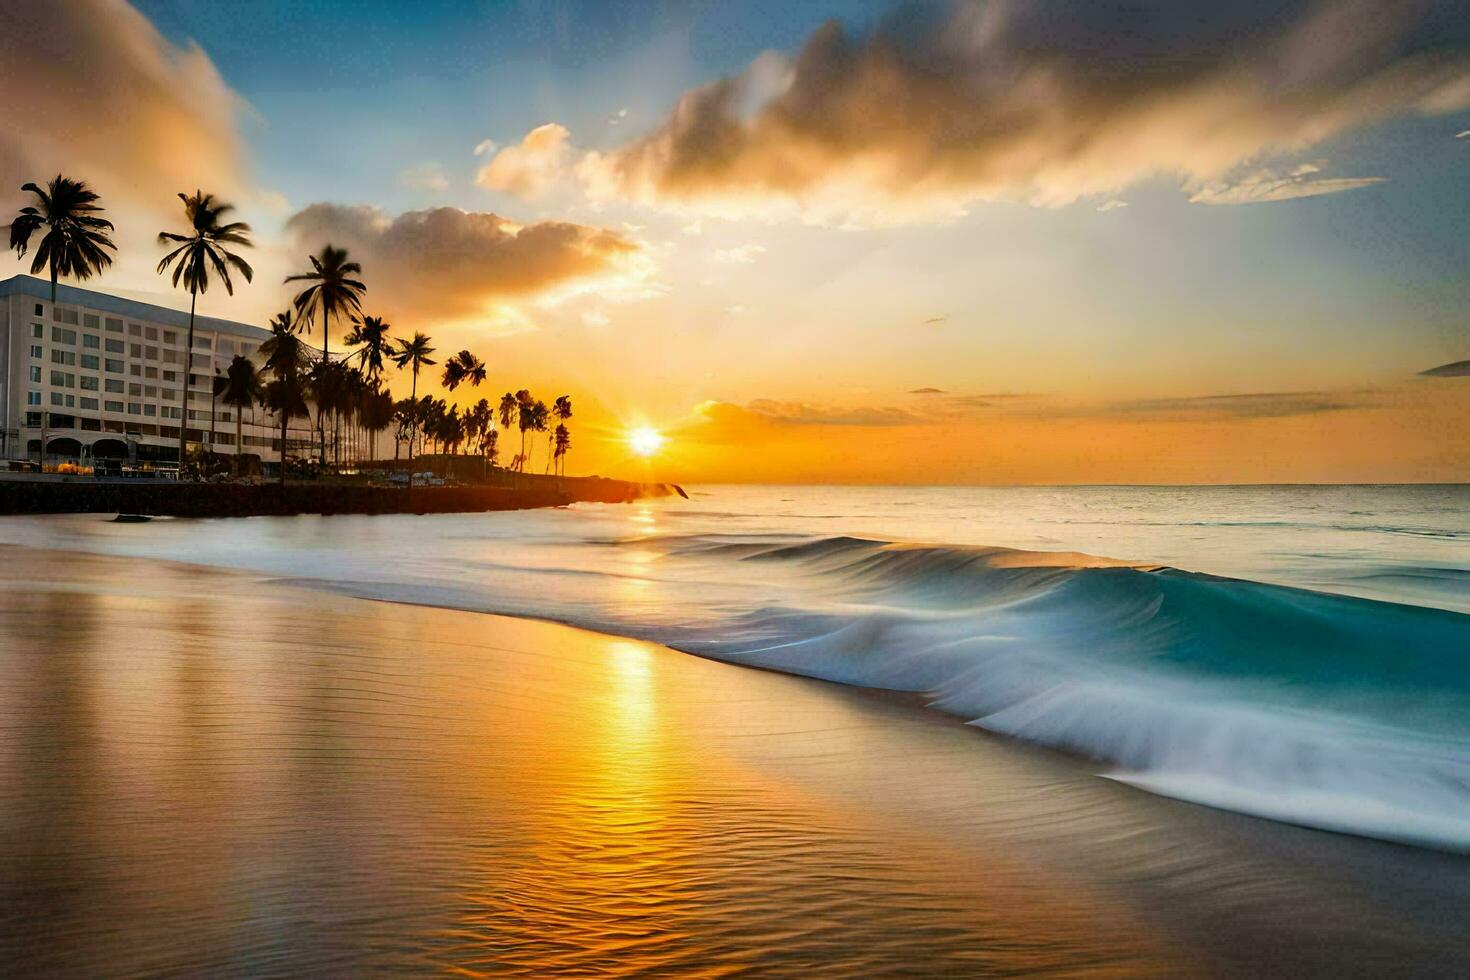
(95, 376)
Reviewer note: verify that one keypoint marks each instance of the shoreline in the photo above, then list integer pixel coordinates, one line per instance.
(160, 498)
(618, 772)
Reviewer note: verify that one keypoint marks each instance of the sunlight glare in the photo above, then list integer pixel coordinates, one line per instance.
(645, 441)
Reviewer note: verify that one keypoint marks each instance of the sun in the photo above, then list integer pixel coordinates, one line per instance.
(645, 441)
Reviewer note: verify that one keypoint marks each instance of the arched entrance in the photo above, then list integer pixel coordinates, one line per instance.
(109, 449)
(65, 448)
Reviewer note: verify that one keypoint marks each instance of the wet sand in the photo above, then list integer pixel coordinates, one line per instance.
(204, 773)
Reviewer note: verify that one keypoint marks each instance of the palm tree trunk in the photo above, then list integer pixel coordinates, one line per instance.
(239, 418)
(326, 356)
(188, 366)
(212, 399)
(413, 400)
(285, 421)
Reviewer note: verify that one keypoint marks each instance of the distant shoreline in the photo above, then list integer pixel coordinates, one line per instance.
(170, 499)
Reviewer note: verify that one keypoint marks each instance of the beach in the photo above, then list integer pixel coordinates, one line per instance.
(210, 772)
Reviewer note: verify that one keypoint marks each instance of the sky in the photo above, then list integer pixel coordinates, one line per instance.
(1015, 241)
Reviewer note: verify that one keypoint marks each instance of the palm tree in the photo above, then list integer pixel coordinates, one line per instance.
(198, 251)
(333, 293)
(561, 409)
(287, 360)
(413, 353)
(242, 389)
(525, 405)
(563, 442)
(76, 239)
(463, 367)
(74, 245)
(370, 336)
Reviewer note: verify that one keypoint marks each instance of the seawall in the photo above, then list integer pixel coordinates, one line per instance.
(160, 497)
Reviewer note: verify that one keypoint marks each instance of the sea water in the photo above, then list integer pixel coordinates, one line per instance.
(1298, 653)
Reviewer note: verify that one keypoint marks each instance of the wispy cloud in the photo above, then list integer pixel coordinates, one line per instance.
(1112, 205)
(739, 255)
(1455, 369)
(1047, 101)
(801, 413)
(926, 391)
(1260, 186)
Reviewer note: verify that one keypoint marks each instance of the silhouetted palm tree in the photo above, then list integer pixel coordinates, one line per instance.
(76, 240)
(74, 245)
(202, 249)
(370, 336)
(333, 292)
(288, 362)
(563, 442)
(463, 367)
(414, 354)
(242, 389)
(561, 409)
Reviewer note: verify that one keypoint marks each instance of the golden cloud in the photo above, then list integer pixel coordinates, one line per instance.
(1046, 101)
(448, 263)
(531, 167)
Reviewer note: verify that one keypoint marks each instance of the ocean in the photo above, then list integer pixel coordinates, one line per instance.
(1295, 653)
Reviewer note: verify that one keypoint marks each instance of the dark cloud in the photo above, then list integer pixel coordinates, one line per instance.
(444, 262)
(800, 413)
(927, 391)
(1047, 101)
(1455, 369)
(1261, 405)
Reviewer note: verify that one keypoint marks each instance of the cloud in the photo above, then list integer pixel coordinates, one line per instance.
(444, 262)
(1046, 101)
(801, 413)
(1112, 205)
(91, 89)
(531, 167)
(935, 319)
(927, 391)
(1199, 408)
(1266, 185)
(425, 177)
(1463, 136)
(1455, 369)
(483, 147)
(739, 255)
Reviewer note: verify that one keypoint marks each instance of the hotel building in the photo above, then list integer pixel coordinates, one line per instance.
(94, 376)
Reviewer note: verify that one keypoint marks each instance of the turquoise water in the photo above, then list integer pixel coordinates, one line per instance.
(1296, 653)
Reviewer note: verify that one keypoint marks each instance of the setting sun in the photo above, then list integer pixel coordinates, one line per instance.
(645, 441)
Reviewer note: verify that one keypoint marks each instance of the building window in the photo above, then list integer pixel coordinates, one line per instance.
(169, 337)
(89, 383)
(64, 316)
(149, 391)
(64, 357)
(170, 357)
(134, 408)
(114, 386)
(171, 376)
(225, 347)
(116, 367)
(63, 380)
(135, 370)
(33, 398)
(150, 410)
(37, 331)
(150, 333)
(36, 350)
(113, 325)
(200, 361)
(36, 373)
(56, 401)
(135, 389)
(135, 330)
(91, 361)
(112, 406)
(40, 310)
(89, 320)
(62, 336)
(91, 341)
(135, 350)
(88, 403)
(168, 394)
(150, 353)
(91, 425)
(203, 343)
(115, 346)
(33, 420)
